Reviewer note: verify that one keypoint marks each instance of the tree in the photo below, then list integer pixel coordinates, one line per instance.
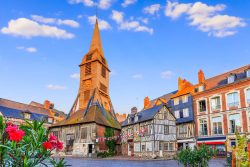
(110, 142)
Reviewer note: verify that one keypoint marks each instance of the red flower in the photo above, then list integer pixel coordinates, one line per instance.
(47, 145)
(59, 145)
(11, 128)
(16, 135)
(52, 138)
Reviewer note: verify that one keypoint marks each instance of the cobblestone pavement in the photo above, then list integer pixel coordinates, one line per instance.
(78, 162)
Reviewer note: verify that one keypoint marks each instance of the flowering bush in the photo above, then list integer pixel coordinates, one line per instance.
(28, 145)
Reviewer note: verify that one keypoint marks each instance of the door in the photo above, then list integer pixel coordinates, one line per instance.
(69, 143)
(90, 149)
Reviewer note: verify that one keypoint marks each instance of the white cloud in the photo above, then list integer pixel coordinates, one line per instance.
(56, 87)
(206, 18)
(167, 74)
(117, 16)
(137, 76)
(29, 28)
(153, 9)
(128, 2)
(45, 20)
(103, 25)
(144, 20)
(28, 49)
(132, 25)
(75, 76)
(88, 3)
(102, 4)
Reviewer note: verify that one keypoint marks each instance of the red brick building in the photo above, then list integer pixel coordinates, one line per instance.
(221, 107)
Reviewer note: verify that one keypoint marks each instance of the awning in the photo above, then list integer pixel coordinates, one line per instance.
(186, 140)
(212, 140)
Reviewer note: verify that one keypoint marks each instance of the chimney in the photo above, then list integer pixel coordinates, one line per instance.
(147, 103)
(47, 104)
(133, 110)
(124, 116)
(201, 77)
(180, 83)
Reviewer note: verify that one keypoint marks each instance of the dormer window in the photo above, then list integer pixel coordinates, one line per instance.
(231, 78)
(50, 120)
(136, 117)
(201, 88)
(248, 73)
(26, 115)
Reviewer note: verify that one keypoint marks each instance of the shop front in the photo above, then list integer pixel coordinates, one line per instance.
(216, 143)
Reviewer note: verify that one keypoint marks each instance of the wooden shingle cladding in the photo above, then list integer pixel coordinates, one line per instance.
(159, 131)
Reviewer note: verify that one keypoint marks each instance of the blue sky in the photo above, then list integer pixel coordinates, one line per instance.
(148, 45)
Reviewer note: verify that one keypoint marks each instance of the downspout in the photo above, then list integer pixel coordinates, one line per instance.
(154, 136)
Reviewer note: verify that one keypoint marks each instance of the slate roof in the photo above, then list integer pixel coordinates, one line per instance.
(165, 97)
(95, 113)
(221, 80)
(143, 115)
(18, 114)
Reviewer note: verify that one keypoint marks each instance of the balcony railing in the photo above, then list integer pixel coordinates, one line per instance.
(233, 104)
(217, 107)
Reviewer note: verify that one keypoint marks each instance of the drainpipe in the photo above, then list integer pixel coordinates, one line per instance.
(154, 137)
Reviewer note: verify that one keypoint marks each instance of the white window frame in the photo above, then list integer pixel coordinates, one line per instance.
(211, 123)
(232, 91)
(184, 99)
(178, 114)
(198, 106)
(210, 102)
(187, 111)
(247, 101)
(228, 121)
(206, 118)
(230, 77)
(176, 101)
(248, 73)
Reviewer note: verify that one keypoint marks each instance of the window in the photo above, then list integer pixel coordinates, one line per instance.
(185, 99)
(177, 114)
(202, 105)
(103, 88)
(143, 148)
(26, 115)
(234, 123)
(88, 69)
(50, 120)
(248, 96)
(137, 147)
(182, 129)
(201, 88)
(233, 99)
(103, 71)
(56, 133)
(248, 73)
(89, 57)
(215, 103)
(166, 130)
(185, 112)
(203, 127)
(176, 101)
(84, 133)
(231, 79)
(217, 125)
(168, 146)
(136, 118)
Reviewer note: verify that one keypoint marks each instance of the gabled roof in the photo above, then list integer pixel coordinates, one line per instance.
(221, 80)
(95, 113)
(18, 114)
(143, 115)
(165, 97)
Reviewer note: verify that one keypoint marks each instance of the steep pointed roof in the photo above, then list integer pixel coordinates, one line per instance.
(96, 42)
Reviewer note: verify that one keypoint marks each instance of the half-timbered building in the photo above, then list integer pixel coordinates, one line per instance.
(149, 133)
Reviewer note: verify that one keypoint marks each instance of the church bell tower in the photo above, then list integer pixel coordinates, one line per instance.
(94, 75)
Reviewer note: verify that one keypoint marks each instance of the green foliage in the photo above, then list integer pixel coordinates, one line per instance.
(198, 157)
(110, 143)
(240, 152)
(29, 151)
(105, 154)
(60, 163)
